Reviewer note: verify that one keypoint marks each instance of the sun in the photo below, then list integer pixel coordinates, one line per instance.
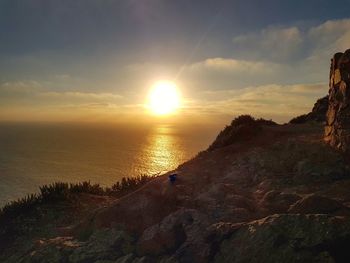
(164, 98)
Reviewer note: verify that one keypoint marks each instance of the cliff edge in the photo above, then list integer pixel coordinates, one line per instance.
(262, 192)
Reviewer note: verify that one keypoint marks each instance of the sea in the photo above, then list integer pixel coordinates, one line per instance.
(33, 154)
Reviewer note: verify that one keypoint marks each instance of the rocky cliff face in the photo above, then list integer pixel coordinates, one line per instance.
(337, 130)
(317, 114)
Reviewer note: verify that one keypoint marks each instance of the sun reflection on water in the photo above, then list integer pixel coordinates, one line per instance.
(163, 151)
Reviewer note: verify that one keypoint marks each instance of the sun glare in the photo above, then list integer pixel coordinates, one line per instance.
(164, 98)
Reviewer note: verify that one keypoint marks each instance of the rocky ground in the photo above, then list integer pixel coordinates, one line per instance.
(280, 195)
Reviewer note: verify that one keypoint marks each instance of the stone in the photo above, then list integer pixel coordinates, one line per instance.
(338, 113)
(182, 234)
(143, 260)
(337, 77)
(125, 259)
(104, 244)
(288, 238)
(168, 235)
(315, 204)
(328, 130)
(278, 202)
(317, 114)
(330, 117)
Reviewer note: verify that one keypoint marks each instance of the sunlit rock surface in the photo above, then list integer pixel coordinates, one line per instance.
(337, 130)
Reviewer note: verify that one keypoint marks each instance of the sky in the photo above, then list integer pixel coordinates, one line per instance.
(95, 60)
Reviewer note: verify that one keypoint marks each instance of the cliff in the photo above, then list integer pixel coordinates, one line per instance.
(317, 114)
(337, 130)
(262, 192)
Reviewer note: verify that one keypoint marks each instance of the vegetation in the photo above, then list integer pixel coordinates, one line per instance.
(318, 113)
(56, 203)
(299, 119)
(59, 191)
(262, 121)
(242, 128)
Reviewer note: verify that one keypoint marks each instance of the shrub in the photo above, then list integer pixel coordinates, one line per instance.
(65, 192)
(86, 187)
(299, 119)
(242, 120)
(262, 121)
(54, 192)
(26, 214)
(22, 205)
(128, 184)
(242, 128)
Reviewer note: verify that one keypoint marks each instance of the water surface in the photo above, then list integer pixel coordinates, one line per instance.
(35, 154)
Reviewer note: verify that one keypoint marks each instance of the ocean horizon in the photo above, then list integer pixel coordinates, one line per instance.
(42, 153)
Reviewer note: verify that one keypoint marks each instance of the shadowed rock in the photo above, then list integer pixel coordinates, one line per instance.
(317, 114)
(315, 204)
(289, 238)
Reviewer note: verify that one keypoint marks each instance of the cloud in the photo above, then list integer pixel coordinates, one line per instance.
(233, 66)
(332, 33)
(283, 55)
(309, 89)
(227, 73)
(294, 44)
(277, 72)
(279, 102)
(31, 100)
(20, 86)
(277, 44)
(32, 97)
(328, 38)
(80, 95)
(63, 77)
(280, 55)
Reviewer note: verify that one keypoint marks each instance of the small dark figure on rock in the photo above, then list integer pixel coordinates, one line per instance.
(172, 178)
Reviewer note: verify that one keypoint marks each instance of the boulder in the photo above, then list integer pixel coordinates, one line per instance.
(288, 238)
(104, 244)
(169, 234)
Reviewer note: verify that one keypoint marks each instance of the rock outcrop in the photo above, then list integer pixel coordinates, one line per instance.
(317, 114)
(337, 130)
(288, 238)
(319, 110)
